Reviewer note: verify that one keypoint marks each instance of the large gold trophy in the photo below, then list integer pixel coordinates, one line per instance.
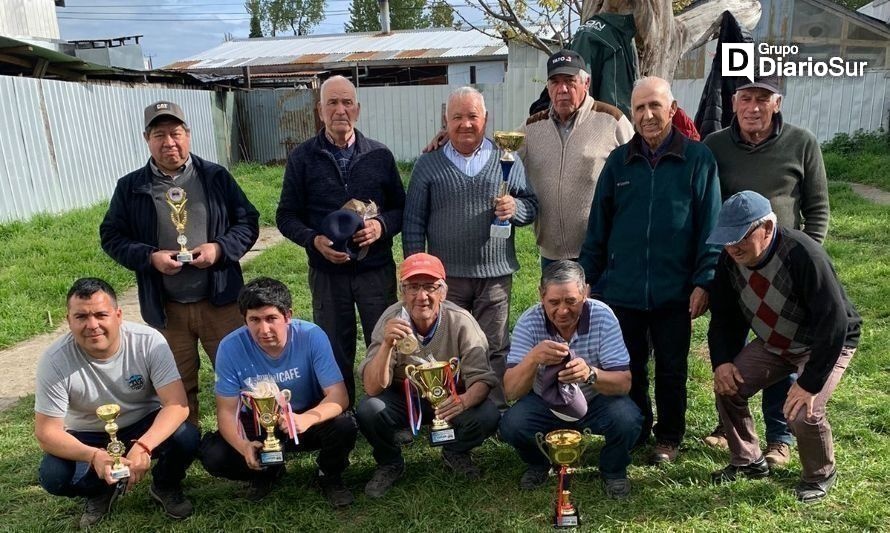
(176, 199)
(265, 400)
(564, 448)
(509, 142)
(432, 380)
(108, 413)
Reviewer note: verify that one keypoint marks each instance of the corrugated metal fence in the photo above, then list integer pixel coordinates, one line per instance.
(64, 145)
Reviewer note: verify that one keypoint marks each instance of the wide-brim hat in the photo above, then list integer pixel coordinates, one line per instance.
(339, 226)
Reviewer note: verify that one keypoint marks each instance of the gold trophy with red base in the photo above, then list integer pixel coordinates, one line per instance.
(564, 448)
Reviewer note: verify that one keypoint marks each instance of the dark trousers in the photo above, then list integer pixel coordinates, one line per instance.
(772, 402)
(334, 301)
(615, 417)
(488, 300)
(64, 477)
(547, 262)
(333, 438)
(380, 416)
(669, 329)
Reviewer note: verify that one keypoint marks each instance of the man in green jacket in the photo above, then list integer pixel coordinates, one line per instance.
(646, 253)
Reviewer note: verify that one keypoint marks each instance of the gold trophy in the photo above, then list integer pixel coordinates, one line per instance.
(509, 142)
(564, 448)
(176, 199)
(107, 413)
(264, 400)
(431, 379)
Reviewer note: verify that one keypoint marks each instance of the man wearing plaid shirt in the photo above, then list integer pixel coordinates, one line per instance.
(781, 284)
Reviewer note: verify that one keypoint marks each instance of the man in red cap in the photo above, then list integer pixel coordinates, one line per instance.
(423, 327)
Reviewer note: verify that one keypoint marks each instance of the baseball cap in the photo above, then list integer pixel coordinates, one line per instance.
(770, 83)
(421, 263)
(565, 62)
(736, 216)
(162, 109)
(339, 226)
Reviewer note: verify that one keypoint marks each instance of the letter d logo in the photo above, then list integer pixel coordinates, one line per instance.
(737, 59)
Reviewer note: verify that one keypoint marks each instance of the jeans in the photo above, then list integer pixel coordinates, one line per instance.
(334, 439)
(670, 330)
(615, 417)
(64, 477)
(380, 416)
(334, 301)
(772, 402)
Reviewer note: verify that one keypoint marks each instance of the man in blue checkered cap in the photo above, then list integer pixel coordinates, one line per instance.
(780, 284)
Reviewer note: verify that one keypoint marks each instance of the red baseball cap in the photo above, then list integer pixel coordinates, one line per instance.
(422, 264)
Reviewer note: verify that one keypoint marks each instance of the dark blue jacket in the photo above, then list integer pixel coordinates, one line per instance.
(314, 186)
(648, 226)
(129, 234)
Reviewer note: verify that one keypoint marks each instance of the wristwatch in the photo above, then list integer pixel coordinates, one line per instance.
(591, 378)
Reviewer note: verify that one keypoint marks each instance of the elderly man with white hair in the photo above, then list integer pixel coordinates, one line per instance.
(458, 188)
(646, 253)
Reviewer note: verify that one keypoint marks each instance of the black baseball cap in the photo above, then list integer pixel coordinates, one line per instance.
(770, 83)
(565, 62)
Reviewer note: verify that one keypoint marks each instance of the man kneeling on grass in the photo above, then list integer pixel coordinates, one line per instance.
(779, 283)
(274, 348)
(102, 361)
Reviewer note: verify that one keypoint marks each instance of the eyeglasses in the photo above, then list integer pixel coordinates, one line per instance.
(413, 289)
(747, 235)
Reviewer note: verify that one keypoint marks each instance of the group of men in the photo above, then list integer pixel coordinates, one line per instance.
(634, 245)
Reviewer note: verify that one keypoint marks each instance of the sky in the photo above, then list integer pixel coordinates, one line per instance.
(172, 29)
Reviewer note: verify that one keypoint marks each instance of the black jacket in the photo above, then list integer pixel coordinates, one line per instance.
(314, 187)
(129, 234)
(715, 108)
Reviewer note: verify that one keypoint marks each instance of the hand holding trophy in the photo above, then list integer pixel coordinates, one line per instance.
(435, 381)
(269, 404)
(509, 142)
(176, 199)
(108, 413)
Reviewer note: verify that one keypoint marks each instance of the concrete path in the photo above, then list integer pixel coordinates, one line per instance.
(19, 362)
(878, 196)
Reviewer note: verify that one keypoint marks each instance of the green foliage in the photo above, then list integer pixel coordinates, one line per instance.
(863, 157)
(300, 16)
(364, 15)
(254, 9)
(441, 14)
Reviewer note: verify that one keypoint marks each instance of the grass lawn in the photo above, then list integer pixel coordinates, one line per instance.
(677, 497)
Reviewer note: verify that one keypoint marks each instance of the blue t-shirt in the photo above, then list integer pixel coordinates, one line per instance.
(305, 367)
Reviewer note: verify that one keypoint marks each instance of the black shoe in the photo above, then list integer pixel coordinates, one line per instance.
(813, 491)
(174, 502)
(461, 463)
(534, 477)
(98, 506)
(385, 476)
(334, 489)
(755, 470)
(402, 437)
(261, 485)
(617, 489)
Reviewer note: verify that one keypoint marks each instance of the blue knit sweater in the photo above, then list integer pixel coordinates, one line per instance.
(448, 214)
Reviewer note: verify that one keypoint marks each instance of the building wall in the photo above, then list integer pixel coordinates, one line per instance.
(487, 72)
(29, 18)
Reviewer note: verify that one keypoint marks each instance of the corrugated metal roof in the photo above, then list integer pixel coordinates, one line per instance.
(349, 47)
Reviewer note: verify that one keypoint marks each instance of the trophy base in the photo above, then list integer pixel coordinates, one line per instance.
(271, 458)
(439, 437)
(118, 474)
(566, 521)
(500, 230)
(185, 257)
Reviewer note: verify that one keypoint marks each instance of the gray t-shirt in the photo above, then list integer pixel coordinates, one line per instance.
(72, 384)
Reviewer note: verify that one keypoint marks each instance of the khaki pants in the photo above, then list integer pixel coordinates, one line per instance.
(186, 325)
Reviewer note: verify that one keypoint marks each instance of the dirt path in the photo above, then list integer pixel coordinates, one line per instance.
(878, 196)
(19, 362)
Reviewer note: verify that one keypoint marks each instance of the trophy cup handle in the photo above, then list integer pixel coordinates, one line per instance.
(542, 444)
(285, 394)
(410, 373)
(454, 362)
(586, 441)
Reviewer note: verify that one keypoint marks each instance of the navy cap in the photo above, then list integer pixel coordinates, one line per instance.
(339, 226)
(565, 62)
(770, 83)
(738, 213)
(565, 400)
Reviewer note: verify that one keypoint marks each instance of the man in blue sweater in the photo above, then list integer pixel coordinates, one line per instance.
(453, 198)
(322, 175)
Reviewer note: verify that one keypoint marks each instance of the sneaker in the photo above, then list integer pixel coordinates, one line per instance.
(717, 439)
(664, 452)
(777, 454)
(534, 477)
(98, 506)
(617, 489)
(261, 484)
(755, 470)
(334, 490)
(461, 463)
(174, 502)
(385, 476)
(402, 437)
(813, 491)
